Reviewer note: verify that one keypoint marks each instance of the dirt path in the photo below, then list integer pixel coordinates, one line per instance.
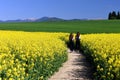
(76, 68)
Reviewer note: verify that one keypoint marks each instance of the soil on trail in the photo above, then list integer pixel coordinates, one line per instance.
(75, 68)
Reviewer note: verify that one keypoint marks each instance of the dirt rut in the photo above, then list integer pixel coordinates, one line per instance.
(75, 68)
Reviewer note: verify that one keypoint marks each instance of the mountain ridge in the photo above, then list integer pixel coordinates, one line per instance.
(42, 19)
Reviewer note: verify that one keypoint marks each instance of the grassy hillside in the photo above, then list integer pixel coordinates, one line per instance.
(91, 26)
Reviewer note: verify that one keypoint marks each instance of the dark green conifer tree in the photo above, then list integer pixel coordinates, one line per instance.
(109, 16)
(118, 15)
(113, 15)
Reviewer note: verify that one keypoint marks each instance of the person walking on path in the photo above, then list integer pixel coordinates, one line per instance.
(77, 43)
(71, 42)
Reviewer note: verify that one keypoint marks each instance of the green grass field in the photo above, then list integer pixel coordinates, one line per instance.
(90, 26)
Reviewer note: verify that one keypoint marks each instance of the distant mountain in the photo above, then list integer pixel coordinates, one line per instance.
(49, 19)
(43, 19)
(1, 21)
(78, 19)
(22, 20)
(18, 20)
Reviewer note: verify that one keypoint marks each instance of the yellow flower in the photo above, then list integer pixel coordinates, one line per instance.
(11, 79)
(0, 67)
(98, 66)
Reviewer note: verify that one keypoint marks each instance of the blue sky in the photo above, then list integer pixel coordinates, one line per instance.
(66, 9)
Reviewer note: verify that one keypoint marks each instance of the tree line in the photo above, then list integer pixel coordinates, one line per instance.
(114, 15)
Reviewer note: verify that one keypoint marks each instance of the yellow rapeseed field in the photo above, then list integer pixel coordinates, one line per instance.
(30, 55)
(37, 55)
(105, 51)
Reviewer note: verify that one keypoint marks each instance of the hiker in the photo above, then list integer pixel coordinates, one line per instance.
(71, 42)
(77, 43)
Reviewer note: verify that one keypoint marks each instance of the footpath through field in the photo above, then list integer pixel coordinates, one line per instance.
(75, 68)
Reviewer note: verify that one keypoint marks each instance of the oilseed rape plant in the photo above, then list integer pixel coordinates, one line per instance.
(37, 55)
(30, 55)
(104, 50)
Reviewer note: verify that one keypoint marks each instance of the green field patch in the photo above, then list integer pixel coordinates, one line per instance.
(89, 26)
